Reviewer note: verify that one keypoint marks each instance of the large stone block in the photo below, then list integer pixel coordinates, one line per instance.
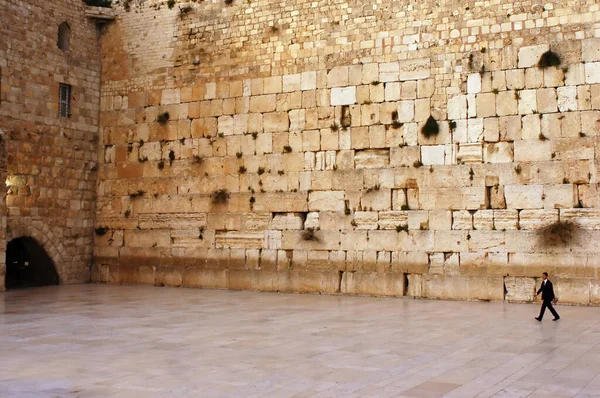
(343, 96)
(326, 201)
(590, 50)
(276, 122)
(524, 196)
(529, 56)
(414, 69)
(519, 289)
(372, 158)
(373, 284)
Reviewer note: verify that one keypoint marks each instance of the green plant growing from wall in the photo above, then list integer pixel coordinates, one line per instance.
(242, 169)
(558, 233)
(430, 128)
(549, 59)
(171, 4)
(287, 149)
(163, 118)
(309, 234)
(101, 231)
(400, 228)
(220, 196)
(137, 194)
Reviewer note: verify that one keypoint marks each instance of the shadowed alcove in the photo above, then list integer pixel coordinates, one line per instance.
(28, 265)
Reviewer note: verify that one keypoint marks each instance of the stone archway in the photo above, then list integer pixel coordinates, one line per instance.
(42, 234)
(28, 265)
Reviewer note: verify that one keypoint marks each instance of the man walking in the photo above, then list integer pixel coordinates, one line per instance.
(547, 298)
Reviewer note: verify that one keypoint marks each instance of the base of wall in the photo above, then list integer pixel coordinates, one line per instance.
(578, 291)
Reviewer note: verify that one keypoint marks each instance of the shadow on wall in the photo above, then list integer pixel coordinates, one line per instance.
(28, 265)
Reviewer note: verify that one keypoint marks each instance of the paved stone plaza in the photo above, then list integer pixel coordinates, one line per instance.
(136, 341)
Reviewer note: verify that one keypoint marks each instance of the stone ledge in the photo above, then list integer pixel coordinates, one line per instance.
(100, 13)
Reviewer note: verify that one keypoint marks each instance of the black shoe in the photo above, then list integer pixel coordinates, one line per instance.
(556, 319)
(538, 319)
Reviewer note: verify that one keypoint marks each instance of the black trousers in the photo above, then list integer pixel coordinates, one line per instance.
(548, 303)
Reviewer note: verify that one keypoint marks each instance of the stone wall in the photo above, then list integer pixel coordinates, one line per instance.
(382, 148)
(49, 162)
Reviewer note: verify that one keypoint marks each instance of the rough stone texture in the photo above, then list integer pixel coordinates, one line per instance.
(266, 125)
(49, 162)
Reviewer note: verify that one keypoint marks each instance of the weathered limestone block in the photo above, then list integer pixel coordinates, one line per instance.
(392, 219)
(235, 239)
(524, 196)
(515, 79)
(326, 201)
(205, 278)
(529, 56)
(486, 105)
(560, 196)
(506, 219)
(440, 220)
(473, 83)
(519, 289)
(343, 96)
(372, 158)
(287, 221)
(406, 111)
(312, 220)
(584, 218)
(462, 220)
(263, 103)
(276, 122)
(291, 83)
(523, 152)
(170, 96)
(506, 103)
(590, 50)
(546, 100)
(418, 220)
(256, 221)
(414, 69)
(283, 202)
(470, 153)
(338, 77)
(433, 154)
(567, 98)
(457, 107)
(537, 219)
(353, 240)
(462, 288)
(499, 152)
(147, 238)
(373, 284)
(592, 72)
(378, 199)
(389, 72)
(475, 130)
(530, 127)
(589, 195)
(527, 102)
(573, 290)
(483, 220)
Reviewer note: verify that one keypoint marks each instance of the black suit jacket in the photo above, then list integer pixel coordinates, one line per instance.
(547, 291)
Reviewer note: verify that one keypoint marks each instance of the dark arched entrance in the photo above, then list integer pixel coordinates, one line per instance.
(28, 265)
